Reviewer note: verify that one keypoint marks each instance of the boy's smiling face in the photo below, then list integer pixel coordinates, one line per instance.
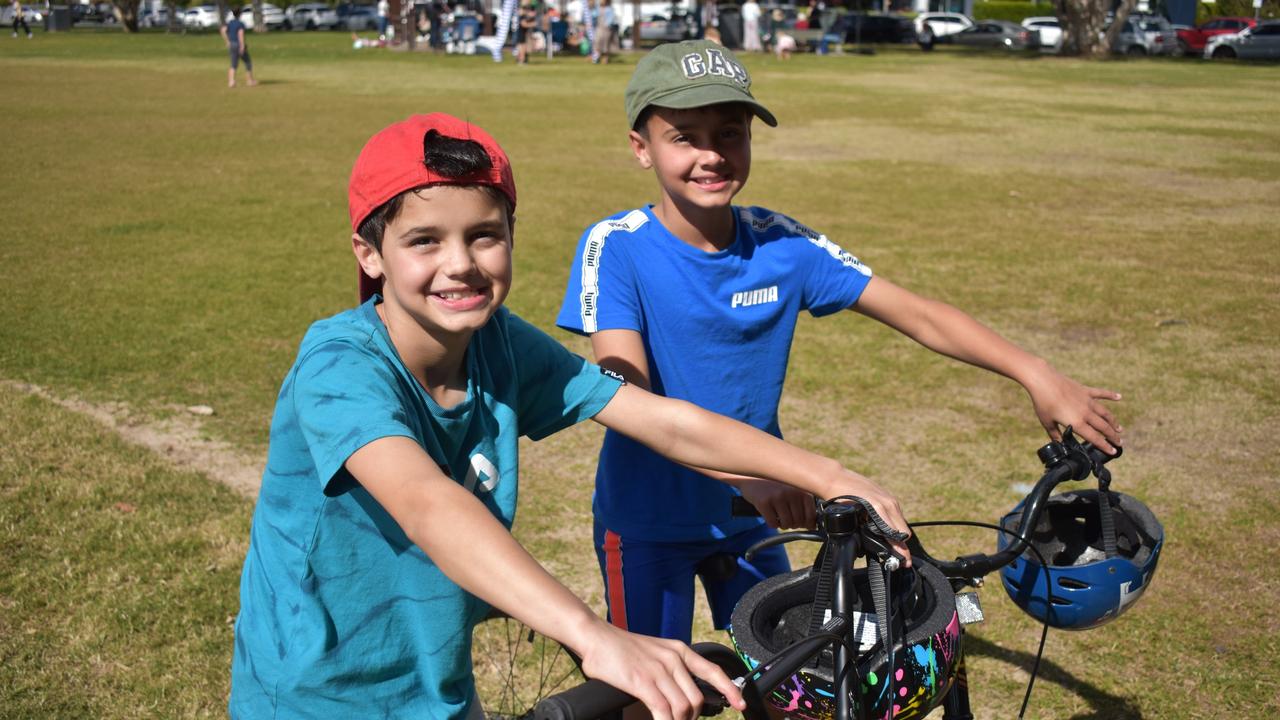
(445, 260)
(702, 156)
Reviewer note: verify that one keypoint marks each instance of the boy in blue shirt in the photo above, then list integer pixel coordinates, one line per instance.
(381, 532)
(696, 298)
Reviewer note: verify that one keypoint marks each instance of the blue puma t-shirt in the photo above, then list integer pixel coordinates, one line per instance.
(341, 616)
(717, 330)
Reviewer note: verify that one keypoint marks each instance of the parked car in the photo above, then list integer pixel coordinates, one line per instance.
(311, 16)
(1260, 42)
(1191, 40)
(998, 34)
(656, 29)
(154, 18)
(1131, 41)
(92, 14)
(201, 17)
(30, 14)
(942, 24)
(1050, 30)
(272, 16)
(862, 28)
(358, 17)
(1158, 34)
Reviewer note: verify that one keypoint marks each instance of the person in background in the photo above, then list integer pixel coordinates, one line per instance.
(233, 36)
(528, 22)
(751, 26)
(18, 19)
(384, 12)
(606, 33)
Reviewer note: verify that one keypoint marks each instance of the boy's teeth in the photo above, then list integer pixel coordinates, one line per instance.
(456, 295)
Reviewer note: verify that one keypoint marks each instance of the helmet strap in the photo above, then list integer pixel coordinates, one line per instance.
(1107, 518)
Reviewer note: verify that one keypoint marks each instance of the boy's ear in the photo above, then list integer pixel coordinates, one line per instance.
(640, 147)
(370, 259)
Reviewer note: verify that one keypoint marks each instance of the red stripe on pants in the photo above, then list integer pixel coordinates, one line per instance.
(613, 579)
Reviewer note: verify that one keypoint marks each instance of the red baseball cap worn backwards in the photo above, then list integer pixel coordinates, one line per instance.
(392, 163)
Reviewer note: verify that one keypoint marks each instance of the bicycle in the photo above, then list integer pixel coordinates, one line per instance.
(812, 641)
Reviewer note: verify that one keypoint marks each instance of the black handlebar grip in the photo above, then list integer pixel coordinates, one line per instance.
(592, 699)
(596, 698)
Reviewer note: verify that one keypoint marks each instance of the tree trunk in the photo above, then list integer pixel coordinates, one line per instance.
(126, 12)
(259, 25)
(222, 13)
(1084, 22)
(1117, 25)
(175, 17)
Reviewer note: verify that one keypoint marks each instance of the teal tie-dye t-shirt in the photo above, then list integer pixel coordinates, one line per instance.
(341, 614)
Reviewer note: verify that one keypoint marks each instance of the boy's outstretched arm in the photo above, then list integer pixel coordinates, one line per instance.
(475, 550)
(781, 506)
(1058, 400)
(685, 433)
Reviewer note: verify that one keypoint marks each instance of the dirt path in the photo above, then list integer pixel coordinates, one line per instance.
(178, 438)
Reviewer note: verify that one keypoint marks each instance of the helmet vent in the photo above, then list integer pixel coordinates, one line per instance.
(1072, 584)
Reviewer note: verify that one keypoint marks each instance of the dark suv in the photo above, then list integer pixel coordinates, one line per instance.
(861, 28)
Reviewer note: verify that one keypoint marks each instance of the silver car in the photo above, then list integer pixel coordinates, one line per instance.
(1158, 34)
(998, 34)
(1261, 42)
(1131, 41)
(311, 16)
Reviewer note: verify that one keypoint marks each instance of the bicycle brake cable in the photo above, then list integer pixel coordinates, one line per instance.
(1044, 567)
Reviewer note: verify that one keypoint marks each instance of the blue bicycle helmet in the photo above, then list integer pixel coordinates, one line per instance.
(1095, 573)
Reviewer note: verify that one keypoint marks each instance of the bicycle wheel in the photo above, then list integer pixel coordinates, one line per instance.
(515, 667)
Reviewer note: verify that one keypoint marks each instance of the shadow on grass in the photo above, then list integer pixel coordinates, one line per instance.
(1105, 706)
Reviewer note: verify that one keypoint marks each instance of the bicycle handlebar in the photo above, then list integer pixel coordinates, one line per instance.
(596, 698)
(1064, 461)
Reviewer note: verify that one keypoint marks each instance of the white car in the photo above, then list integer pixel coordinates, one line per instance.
(311, 16)
(272, 17)
(943, 24)
(1261, 42)
(201, 17)
(1050, 30)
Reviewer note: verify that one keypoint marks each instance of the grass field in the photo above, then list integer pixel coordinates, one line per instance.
(167, 242)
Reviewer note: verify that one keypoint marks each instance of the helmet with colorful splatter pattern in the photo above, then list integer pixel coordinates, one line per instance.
(926, 635)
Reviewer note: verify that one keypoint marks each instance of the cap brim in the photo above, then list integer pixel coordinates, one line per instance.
(704, 95)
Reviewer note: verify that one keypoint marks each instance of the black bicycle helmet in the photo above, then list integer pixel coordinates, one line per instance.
(780, 610)
(1091, 579)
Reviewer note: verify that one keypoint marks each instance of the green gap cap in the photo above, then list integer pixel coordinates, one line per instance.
(690, 74)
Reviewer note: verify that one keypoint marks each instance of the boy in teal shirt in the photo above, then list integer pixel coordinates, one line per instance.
(697, 299)
(381, 533)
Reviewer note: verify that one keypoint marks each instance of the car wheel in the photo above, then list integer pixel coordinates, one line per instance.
(1136, 51)
(1184, 50)
(311, 25)
(1224, 53)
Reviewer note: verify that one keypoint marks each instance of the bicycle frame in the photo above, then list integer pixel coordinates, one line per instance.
(849, 531)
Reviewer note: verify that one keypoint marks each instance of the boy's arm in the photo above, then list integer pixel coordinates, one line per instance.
(781, 506)
(475, 550)
(685, 433)
(1058, 400)
(223, 31)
